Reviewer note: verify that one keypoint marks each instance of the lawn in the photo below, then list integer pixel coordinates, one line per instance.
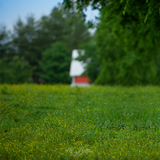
(58, 122)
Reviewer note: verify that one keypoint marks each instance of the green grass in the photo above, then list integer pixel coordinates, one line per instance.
(59, 122)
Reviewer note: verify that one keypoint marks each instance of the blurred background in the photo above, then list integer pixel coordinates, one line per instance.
(37, 38)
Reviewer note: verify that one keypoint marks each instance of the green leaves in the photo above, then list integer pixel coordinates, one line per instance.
(17, 71)
(125, 50)
(55, 64)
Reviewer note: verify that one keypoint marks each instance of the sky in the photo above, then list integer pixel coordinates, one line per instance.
(11, 10)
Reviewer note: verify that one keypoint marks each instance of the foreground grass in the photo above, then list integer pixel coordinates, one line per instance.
(59, 122)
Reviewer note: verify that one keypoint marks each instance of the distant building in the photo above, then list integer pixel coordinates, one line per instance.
(76, 71)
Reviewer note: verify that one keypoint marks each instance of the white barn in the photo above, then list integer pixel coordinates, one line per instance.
(76, 70)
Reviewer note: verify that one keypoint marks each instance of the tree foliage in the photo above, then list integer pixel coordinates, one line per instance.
(6, 47)
(3, 41)
(148, 10)
(129, 52)
(13, 69)
(55, 64)
(89, 56)
(17, 71)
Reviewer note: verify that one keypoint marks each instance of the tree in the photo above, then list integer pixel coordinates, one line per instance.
(6, 75)
(129, 53)
(21, 69)
(65, 26)
(24, 40)
(3, 41)
(110, 54)
(16, 71)
(6, 47)
(55, 64)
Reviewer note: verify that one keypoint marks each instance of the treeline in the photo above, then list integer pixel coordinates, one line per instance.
(39, 51)
(124, 50)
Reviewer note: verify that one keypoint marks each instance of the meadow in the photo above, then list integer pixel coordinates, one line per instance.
(59, 122)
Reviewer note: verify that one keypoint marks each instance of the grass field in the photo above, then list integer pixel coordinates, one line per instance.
(58, 122)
